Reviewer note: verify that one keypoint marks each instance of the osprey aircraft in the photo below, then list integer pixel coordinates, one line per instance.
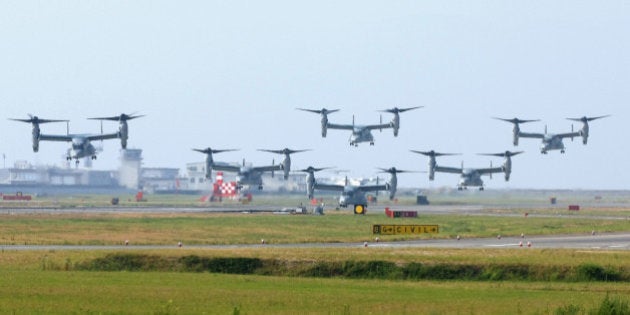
(351, 195)
(81, 145)
(551, 141)
(360, 133)
(469, 177)
(247, 175)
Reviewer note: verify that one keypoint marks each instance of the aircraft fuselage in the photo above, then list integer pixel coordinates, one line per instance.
(360, 134)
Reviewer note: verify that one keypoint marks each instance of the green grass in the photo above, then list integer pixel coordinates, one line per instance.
(47, 282)
(212, 229)
(199, 293)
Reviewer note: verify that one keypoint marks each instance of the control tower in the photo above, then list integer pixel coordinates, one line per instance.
(129, 170)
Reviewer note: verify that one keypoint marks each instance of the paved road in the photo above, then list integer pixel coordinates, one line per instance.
(612, 241)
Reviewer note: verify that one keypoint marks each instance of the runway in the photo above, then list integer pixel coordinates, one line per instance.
(611, 241)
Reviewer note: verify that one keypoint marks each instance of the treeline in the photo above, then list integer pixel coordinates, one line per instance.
(353, 269)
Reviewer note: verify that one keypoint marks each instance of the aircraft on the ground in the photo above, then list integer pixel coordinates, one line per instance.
(360, 133)
(246, 175)
(351, 195)
(469, 177)
(81, 143)
(551, 141)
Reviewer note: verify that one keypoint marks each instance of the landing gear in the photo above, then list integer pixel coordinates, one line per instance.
(93, 157)
(562, 151)
(480, 188)
(372, 143)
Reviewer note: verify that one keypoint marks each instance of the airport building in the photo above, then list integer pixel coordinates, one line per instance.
(130, 176)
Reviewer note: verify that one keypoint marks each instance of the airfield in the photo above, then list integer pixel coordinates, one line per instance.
(526, 250)
(596, 206)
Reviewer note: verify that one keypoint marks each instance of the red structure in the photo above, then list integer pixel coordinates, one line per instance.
(18, 196)
(221, 189)
(401, 214)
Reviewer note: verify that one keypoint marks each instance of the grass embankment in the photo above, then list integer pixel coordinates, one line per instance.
(49, 282)
(221, 229)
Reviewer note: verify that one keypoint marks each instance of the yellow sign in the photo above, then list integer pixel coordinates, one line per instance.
(384, 229)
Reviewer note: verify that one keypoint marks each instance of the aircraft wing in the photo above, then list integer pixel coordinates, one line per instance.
(568, 135)
(381, 126)
(267, 168)
(531, 135)
(224, 167)
(373, 188)
(344, 127)
(103, 136)
(490, 170)
(329, 187)
(443, 169)
(64, 138)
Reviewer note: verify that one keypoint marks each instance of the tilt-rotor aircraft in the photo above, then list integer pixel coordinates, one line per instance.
(81, 143)
(551, 141)
(351, 195)
(247, 175)
(469, 177)
(360, 133)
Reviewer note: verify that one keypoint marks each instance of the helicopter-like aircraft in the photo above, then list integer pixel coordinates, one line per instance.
(360, 133)
(81, 143)
(551, 141)
(351, 195)
(469, 177)
(247, 175)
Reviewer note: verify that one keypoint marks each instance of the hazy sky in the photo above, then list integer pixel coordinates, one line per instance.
(229, 74)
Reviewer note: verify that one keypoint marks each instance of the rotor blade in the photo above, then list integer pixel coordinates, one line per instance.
(395, 170)
(209, 150)
(516, 120)
(433, 153)
(396, 110)
(121, 117)
(319, 111)
(585, 119)
(311, 169)
(36, 120)
(504, 154)
(284, 151)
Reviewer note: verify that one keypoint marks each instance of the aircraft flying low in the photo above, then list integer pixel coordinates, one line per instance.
(469, 177)
(81, 145)
(246, 175)
(351, 195)
(551, 141)
(360, 133)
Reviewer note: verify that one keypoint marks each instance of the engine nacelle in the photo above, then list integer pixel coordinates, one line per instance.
(310, 185)
(123, 131)
(584, 132)
(396, 124)
(432, 164)
(515, 133)
(507, 169)
(36, 133)
(286, 165)
(209, 164)
(393, 185)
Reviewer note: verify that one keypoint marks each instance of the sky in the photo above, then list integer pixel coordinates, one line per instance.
(230, 74)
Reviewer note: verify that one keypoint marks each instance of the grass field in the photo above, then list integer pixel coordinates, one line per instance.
(212, 228)
(38, 282)
(49, 281)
